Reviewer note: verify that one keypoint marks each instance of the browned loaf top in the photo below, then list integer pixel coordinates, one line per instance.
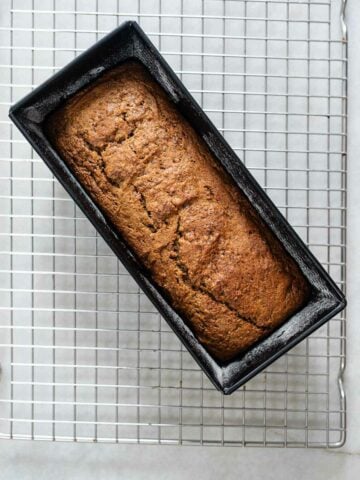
(154, 178)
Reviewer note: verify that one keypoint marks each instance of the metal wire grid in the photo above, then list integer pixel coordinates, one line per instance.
(84, 355)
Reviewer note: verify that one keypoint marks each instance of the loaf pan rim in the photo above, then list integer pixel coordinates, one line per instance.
(28, 119)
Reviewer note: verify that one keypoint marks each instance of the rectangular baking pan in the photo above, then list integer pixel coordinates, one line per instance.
(129, 42)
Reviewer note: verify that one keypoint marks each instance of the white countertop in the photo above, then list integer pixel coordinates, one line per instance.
(43, 460)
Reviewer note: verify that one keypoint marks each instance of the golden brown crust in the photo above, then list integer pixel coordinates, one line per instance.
(157, 182)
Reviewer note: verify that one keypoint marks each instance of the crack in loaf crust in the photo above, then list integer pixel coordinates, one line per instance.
(157, 182)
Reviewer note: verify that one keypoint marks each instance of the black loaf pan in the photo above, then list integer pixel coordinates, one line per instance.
(129, 42)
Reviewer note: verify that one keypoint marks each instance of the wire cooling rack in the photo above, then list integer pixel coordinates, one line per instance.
(84, 356)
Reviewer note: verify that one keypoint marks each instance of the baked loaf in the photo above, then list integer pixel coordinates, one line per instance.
(196, 234)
